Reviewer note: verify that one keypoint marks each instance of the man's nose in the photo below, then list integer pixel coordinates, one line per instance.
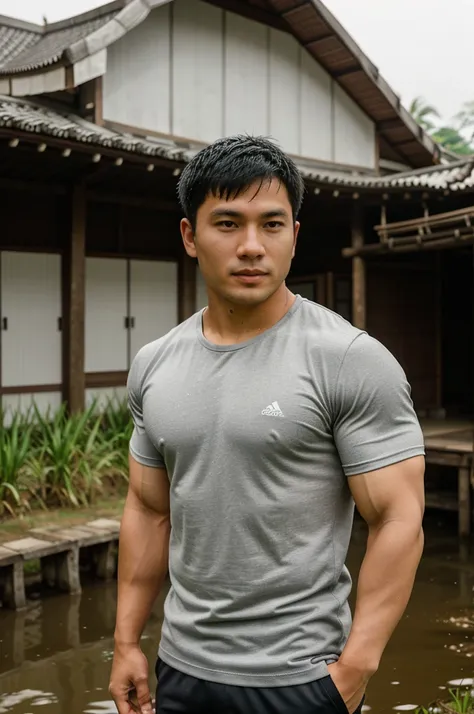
(251, 244)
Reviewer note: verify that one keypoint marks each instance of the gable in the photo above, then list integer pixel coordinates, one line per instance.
(64, 55)
(197, 72)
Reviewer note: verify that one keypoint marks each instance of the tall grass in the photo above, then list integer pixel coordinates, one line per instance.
(60, 460)
(460, 701)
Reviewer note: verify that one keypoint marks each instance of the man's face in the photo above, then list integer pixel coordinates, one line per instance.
(244, 245)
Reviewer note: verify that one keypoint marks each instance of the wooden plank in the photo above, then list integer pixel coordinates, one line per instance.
(186, 287)
(437, 218)
(81, 535)
(442, 501)
(442, 458)
(31, 548)
(359, 289)
(464, 501)
(7, 557)
(74, 306)
(105, 524)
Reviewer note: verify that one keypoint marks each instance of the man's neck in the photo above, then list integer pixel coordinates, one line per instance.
(228, 324)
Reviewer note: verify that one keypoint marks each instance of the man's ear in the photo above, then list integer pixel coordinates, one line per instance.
(187, 234)
(295, 239)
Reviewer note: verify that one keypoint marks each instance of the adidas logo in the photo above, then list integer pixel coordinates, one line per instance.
(273, 410)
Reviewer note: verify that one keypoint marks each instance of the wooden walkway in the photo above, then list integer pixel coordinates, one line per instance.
(58, 551)
(451, 443)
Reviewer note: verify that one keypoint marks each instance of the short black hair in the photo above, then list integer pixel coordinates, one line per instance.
(229, 166)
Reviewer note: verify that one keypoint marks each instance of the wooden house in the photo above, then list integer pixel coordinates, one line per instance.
(98, 115)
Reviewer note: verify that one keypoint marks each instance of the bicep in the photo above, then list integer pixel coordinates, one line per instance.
(149, 488)
(395, 492)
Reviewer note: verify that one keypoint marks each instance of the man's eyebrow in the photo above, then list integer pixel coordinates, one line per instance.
(219, 212)
(275, 213)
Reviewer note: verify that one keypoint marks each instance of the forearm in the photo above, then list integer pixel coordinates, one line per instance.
(385, 584)
(142, 568)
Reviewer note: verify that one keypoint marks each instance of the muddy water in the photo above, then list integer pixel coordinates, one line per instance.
(55, 658)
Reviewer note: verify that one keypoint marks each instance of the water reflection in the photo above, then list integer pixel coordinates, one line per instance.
(55, 657)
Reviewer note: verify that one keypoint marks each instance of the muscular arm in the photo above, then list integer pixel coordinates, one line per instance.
(143, 549)
(143, 565)
(391, 501)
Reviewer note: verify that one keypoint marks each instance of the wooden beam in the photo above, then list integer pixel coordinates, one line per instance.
(359, 310)
(464, 500)
(186, 287)
(74, 265)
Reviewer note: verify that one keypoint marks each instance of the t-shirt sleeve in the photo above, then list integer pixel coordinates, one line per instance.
(141, 447)
(375, 423)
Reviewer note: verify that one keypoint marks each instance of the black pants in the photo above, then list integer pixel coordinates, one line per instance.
(180, 693)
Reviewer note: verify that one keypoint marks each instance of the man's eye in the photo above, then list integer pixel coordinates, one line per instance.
(226, 224)
(274, 224)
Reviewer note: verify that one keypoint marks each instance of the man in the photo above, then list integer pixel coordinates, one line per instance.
(258, 423)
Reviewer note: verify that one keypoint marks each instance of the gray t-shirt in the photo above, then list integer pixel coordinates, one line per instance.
(258, 440)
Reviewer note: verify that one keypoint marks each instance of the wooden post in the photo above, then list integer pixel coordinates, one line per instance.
(15, 597)
(187, 287)
(359, 317)
(464, 500)
(330, 297)
(74, 305)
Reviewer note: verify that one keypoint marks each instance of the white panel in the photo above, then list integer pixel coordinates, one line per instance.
(153, 301)
(31, 302)
(90, 67)
(114, 395)
(46, 403)
(246, 76)
(53, 81)
(198, 72)
(316, 110)
(106, 309)
(354, 132)
(284, 91)
(201, 292)
(137, 81)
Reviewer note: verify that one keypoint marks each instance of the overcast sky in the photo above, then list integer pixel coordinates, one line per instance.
(421, 47)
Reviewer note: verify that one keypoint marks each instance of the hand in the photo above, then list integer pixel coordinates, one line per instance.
(350, 682)
(129, 673)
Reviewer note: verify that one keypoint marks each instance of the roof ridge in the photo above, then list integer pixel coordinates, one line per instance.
(115, 5)
(18, 24)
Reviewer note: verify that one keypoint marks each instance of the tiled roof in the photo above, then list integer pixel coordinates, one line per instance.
(30, 117)
(14, 41)
(310, 22)
(455, 176)
(26, 116)
(24, 50)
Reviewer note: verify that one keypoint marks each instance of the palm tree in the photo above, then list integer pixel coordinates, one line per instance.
(423, 113)
(452, 140)
(465, 118)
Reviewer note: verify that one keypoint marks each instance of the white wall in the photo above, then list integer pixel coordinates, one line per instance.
(194, 71)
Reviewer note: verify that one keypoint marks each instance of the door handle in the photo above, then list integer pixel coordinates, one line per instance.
(5, 323)
(132, 322)
(60, 324)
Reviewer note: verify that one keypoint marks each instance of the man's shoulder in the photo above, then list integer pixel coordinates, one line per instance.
(326, 330)
(151, 353)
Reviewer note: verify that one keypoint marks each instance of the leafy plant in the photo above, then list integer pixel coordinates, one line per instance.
(56, 459)
(15, 448)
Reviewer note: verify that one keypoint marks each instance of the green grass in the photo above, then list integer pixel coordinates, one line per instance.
(61, 461)
(461, 701)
